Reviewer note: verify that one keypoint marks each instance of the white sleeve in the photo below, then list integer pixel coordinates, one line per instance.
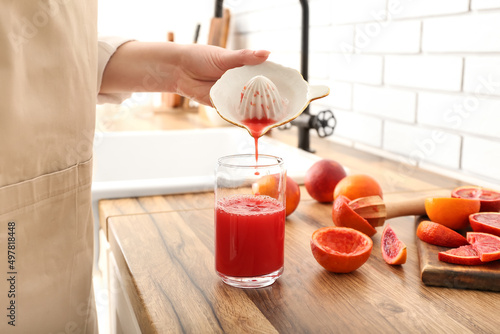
(106, 48)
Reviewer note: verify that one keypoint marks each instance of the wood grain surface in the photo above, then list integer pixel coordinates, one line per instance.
(168, 261)
(164, 249)
(437, 273)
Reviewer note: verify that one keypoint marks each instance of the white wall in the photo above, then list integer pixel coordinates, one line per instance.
(414, 80)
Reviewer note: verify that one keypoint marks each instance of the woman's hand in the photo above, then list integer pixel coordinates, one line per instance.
(203, 65)
(189, 70)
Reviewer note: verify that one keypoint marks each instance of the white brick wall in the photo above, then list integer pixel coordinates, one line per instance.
(463, 113)
(428, 72)
(388, 37)
(485, 4)
(416, 80)
(465, 33)
(418, 144)
(482, 75)
(422, 8)
(389, 103)
(481, 156)
(356, 68)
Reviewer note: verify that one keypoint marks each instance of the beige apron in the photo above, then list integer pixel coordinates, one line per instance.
(48, 54)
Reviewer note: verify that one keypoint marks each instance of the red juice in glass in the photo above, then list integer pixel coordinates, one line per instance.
(249, 236)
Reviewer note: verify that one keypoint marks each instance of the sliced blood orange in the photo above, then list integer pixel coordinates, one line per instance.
(487, 245)
(466, 255)
(490, 199)
(487, 222)
(393, 249)
(439, 235)
(340, 249)
(344, 216)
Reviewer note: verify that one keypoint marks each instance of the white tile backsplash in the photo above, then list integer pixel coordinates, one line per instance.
(485, 4)
(358, 127)
(388, 37)
(462, 113)
(428, 72)
(352, 11)
(482, 75)
(476, 32)
(417, 144)
(424, 8)
(356, 68)
(388, 103)
(481, 157)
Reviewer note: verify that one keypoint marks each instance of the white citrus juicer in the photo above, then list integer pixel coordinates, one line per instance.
(267, 90)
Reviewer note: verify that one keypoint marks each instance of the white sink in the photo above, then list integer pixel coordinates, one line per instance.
(131, 164)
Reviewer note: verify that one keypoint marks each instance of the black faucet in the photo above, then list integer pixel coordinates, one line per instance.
(324, 122)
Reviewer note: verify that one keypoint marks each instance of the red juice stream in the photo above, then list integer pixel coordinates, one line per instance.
(249, 235)
(256, 127)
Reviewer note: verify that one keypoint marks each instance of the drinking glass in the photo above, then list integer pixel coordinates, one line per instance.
(249, 219)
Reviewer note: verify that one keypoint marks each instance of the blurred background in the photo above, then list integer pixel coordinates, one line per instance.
(417, 81)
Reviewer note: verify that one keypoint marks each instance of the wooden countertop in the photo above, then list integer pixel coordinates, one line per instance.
(163, 246)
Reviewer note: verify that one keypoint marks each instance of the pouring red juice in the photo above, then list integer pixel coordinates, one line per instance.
(250, 228)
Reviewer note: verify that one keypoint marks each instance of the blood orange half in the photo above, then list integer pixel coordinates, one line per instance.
(466, 255)
(340, 249)
(487, 245)
(393, 249)
(487, 222)
(344, 216)
(490, 199)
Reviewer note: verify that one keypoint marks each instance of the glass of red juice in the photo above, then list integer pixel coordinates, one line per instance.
(249, 226)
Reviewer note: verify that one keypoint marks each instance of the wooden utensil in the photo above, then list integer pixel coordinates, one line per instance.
(376, 211)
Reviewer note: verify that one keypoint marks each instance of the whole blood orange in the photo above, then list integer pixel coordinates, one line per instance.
(340, 249)
(344, 216)
(487, 222)
(490, 199)
(393, 249)
(292, 195)
(451, 212)
(466, 255)
(269, 185)
(487, 245)
(321, 178)
(439, 235)
(357, 186)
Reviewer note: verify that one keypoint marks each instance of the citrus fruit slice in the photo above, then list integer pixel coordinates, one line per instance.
(466, 255)
(393, 249)
(439, 235)
(487, 222)
(357, 186)
(344, 216)
(340, 249)
(451, 212)
(487, 245)
(490, 199)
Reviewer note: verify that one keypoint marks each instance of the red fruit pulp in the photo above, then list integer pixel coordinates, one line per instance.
(249, 235)
(490, 199)
(466, 255)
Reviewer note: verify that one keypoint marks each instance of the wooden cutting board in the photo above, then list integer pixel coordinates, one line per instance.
(436, 273)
